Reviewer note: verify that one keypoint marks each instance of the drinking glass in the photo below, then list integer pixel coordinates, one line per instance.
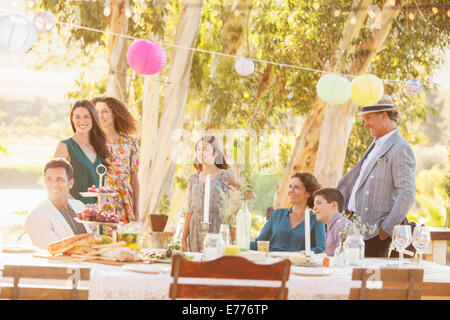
(225, 233)
(401, 238)
(420, 240)
(212, 247)
(263, 246)
(129, 233)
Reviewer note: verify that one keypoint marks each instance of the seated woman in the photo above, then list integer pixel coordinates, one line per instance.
(285, 228)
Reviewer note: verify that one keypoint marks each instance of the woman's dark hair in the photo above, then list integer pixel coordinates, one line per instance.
(219, 160)
(60, 163)
(330, 195)
(124, 122)
(97, 136)
(311, 184)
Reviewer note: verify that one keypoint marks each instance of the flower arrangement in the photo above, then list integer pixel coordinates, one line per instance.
(231, 202)
(355, 226)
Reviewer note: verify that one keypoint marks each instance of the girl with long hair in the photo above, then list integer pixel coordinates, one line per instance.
(85, 150)
(119, 124)
(209, 160)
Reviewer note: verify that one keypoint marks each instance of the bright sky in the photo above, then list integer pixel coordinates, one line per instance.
(18, 80)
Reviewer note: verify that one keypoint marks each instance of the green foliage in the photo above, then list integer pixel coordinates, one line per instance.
(86, 89)
(432, 210)
(163, 204)
(432, 200)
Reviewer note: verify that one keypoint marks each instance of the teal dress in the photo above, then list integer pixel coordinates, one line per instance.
(84, 171)
(282, 238)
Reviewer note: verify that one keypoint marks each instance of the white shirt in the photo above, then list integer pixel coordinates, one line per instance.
(378, 145)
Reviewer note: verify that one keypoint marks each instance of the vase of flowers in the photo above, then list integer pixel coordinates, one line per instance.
(231, 202)
(351, 246)
(159, 218)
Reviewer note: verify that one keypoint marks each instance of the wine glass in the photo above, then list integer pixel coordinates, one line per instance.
(401, 238)
(421, 239)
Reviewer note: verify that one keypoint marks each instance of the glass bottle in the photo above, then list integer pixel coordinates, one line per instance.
(243, 227)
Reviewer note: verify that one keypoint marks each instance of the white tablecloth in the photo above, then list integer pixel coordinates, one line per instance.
(114, 282)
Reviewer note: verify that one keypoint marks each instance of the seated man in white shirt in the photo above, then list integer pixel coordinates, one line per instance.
(53, 219)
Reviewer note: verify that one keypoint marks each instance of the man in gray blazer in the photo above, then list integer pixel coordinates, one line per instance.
(381, 187)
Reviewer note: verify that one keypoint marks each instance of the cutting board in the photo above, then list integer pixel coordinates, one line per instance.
(96, 259)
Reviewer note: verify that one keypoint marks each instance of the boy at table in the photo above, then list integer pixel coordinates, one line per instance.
(53, 219)
(328, 205)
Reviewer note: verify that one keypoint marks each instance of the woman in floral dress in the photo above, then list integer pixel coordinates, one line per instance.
(118, 123)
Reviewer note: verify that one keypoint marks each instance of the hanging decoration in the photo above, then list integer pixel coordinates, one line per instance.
(17, 33)
(146, 57)
(413, 86)
(334, 89)
(367, 89)
(290, 95)
(246, 94)
(244, 66)
(44, 21)
(374, 20)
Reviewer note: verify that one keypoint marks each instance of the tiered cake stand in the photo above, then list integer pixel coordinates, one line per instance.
(101, 196)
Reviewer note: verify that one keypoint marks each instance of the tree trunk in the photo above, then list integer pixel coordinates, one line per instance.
(117, 51)
(338, 120)
(306, 148)
(161, 167)
(234, 32)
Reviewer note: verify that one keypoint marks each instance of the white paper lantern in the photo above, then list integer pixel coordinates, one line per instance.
(244, 66)
(17, 33)
(44, 21)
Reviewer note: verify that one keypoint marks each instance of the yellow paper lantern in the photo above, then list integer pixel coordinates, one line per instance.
(367, 90)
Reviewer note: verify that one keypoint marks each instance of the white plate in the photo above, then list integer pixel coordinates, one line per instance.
(18, 248)
(147, 268)
(96, 194)
(311, 272)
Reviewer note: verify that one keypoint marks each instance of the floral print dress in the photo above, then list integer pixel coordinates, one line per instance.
(124, 161)
(195, 203)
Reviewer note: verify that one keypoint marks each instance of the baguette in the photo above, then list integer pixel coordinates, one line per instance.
(66, 244)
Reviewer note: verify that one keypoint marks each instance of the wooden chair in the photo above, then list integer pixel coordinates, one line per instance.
(229, 267)
(398, 284)
(41, 291)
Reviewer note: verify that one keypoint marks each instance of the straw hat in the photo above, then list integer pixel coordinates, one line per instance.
(385, 104)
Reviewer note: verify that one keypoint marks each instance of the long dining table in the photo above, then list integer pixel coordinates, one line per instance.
(111, 282)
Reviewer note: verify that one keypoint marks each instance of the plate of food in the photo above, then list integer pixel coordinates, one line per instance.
(161, 255)
(86, 247)
(311, 272)
(154, 268)
(19, 248)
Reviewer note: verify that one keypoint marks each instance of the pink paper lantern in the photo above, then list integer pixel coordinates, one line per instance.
(146, 57)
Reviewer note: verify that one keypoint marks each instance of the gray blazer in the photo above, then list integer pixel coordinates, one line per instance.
(387, 189)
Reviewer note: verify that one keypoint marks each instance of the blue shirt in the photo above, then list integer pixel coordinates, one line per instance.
(282, 238)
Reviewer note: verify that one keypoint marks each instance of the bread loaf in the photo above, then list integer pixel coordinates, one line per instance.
(66, 244)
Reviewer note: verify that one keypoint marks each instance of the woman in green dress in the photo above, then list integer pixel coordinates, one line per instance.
(85, 150)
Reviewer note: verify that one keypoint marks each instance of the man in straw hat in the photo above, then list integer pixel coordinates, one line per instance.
(381, 187)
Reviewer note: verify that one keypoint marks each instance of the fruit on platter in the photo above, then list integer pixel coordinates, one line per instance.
(103, 189)
(93, 214)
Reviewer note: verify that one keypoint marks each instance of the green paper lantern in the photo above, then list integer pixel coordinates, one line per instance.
(334, 89)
